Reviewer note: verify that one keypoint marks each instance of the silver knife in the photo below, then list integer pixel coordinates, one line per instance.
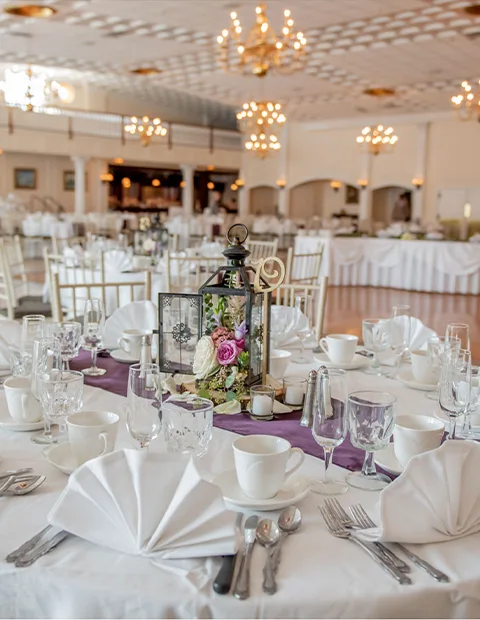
(27, 546)
(242, 583)
(32, 556)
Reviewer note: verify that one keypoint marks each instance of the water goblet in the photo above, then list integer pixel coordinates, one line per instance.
(20, 362)
(400, 331)
(460, 331)
(144, 403)
(93, 328)
(371, 422)
(69, 333)
(188, 424)
(303, 305)
(455, 387)
(376, 339)
(437, 348)
(60, 393)
(32, 329)
(46, 358)
(470, 417)
(330, 425)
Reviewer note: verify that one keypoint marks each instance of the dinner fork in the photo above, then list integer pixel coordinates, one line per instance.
(339, 531)
(360, 515)
(334, 506)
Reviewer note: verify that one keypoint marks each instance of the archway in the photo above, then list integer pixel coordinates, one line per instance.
(263, 200)
(384, 200)
(318, 199)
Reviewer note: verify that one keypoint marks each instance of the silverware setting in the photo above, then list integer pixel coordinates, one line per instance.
(241, 589)
(20, 485)
(36, 547)
(223, 581)
(342, 525)
(268, 535)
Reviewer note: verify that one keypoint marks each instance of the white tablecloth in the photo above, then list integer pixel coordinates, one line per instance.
(432, 266)
(319, 576)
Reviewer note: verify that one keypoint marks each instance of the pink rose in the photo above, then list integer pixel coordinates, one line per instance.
(240, 344)
(227, 352)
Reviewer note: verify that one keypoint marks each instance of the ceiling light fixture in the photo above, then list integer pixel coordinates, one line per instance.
(29, 90)
(156, 183)
(146, 71)
(473, 9)
(377, 140)
(38, 11)
(261, 121)
(261, 50)
(210, 185)
(467, 103)
(118, 160)
(126, 182)
(379, 92)
(146, 128)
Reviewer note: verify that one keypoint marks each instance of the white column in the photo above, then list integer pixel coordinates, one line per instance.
(365, 207)
(188, 191)
(79, 184)
(98, 189)
(418, 195)
(284, 193)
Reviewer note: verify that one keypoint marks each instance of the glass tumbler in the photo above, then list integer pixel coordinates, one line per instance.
(60, 393)
(188, 424)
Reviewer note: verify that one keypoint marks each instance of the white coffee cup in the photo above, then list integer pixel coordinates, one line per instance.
(422, 368)
(22, 404)
(415, 434)
(340, 348)
(131, 341)
(92, 434)
(279, 361)
(261, 464)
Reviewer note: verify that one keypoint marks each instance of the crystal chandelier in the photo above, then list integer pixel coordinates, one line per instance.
(28, 90)
(146, 128)
(261, 50)
(260, 121)
(467, 103)
(377, 140)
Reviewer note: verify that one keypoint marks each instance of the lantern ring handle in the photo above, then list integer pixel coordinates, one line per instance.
(237, 239)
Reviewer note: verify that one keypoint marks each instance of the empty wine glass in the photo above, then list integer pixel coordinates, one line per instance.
(69, 333)
(32, 329)
(460, 331)
(144, 403)
(303, 307)
(60, 393)
(371, 422)
(376, 338)
(437, 348)
(330, 424)
(93, 328)
(455, 386)
(470, 417)
(45, 359)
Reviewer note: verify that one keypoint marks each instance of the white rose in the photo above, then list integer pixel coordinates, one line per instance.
(205, 358)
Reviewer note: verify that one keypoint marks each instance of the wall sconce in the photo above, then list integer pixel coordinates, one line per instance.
(281, 183)
(156, 183)
(335, 185)
(240, 183)
(467, 211)
(126, 183)
(183, 184)
(211, 185)
(118, 160)
(106, 178)
(210, 168)
(417, 183)
(363, 183)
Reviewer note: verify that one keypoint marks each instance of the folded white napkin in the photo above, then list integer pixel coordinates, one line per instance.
(116, 261)
(10, 334)
(285, 321)
(148, 504)
(135, 315)
(419, 337)
(435, 499)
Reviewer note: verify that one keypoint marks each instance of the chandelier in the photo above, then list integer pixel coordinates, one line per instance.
(467, 103)
(28, 90)
(260, 121)
(261, 49)
(146, 128)
(377, 140)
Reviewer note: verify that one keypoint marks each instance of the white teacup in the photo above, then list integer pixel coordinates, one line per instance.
(92, 434)
(22, 404)
(422, 368)
(415, 434)
(261, 464)
(131, 341)
(340, 348)
(279, 361)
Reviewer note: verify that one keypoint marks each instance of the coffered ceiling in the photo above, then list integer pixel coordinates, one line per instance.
(421, 48)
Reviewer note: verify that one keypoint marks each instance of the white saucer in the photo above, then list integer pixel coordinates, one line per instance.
(7, 422)
(292, 492)
(61, 457)
(406, 377)
(358, 361)
(387, 460)
(119, 355)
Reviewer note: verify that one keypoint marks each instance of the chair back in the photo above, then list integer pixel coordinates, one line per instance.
(286, 295)
(7, 292)
(261, 249)
(188, 273)
(303, 268)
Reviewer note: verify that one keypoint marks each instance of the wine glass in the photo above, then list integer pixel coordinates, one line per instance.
(400, 333)
(45, 359)
(330, 424)
(437, 348)
(303, 306)
(93, 327)
(69, 333)
(455, 386)
(371, 422)
(32, 329)
(60, 393)
(376, 338)
(467, 431)
(144, 403)
(460, 331)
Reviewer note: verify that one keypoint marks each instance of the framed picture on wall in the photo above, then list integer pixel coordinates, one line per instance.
(68, 181)
(25, 178)
(351, 196)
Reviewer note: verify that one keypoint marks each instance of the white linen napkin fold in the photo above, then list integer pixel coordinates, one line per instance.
(10, 334)
(285, 322)
(135, 315)
(435, 499)
(148, 504)
(117, 261)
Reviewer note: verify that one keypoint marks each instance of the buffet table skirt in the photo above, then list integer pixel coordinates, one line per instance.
(430, 266)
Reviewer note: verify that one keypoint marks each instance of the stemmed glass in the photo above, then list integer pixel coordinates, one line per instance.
(32, 329)
(61, 393)
(376, 338)
(460, 331)
(400, 333)
(455, 386)
(144, 403)
(69, 333)
(371, 422)
(467, 431)
(93, 328)
(303, 305)
(330, 424)
(437, 348)
(46, 358)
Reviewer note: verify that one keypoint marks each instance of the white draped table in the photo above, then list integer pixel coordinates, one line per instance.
(431, 266)
(319, 576)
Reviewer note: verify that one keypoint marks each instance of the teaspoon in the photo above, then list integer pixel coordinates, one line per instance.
(289, 521)
(268, 534)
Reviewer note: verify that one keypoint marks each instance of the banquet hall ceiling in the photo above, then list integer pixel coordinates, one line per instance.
(421, 48)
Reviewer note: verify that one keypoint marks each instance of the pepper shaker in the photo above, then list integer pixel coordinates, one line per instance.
(307, 413)
(146, 350)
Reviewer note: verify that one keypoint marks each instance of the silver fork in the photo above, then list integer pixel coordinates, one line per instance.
(334, 506)
(339, 531)
(359, 513)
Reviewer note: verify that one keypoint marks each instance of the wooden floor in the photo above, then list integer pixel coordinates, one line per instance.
(348, 305)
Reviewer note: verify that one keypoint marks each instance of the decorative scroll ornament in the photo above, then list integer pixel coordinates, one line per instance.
(262, 273)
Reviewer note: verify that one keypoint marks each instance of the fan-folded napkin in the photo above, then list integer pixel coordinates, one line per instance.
(154, 505)
(435, 499)
(135, 315)
(10, 334)
(116, 261)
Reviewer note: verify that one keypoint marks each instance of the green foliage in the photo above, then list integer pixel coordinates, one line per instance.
(243, 360)
(230, 396)
(231, 377)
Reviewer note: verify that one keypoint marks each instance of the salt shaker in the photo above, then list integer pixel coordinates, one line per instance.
(307, 413)
(146, 350)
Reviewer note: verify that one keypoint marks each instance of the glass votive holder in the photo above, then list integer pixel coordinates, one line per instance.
(294, 389)
(261, 402)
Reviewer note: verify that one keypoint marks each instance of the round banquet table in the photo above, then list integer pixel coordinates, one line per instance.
(319, 575)
(421, 265)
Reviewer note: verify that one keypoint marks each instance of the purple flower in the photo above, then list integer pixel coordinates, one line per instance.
(217, 317)
(240, 344)
(227, 352)
(240, 330)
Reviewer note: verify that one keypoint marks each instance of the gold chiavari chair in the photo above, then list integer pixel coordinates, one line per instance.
(286, 294)
(261, 249)
(303, 268)
(188, 273)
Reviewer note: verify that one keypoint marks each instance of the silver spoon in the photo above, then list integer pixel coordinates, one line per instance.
(289, 521)
(268, 534)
